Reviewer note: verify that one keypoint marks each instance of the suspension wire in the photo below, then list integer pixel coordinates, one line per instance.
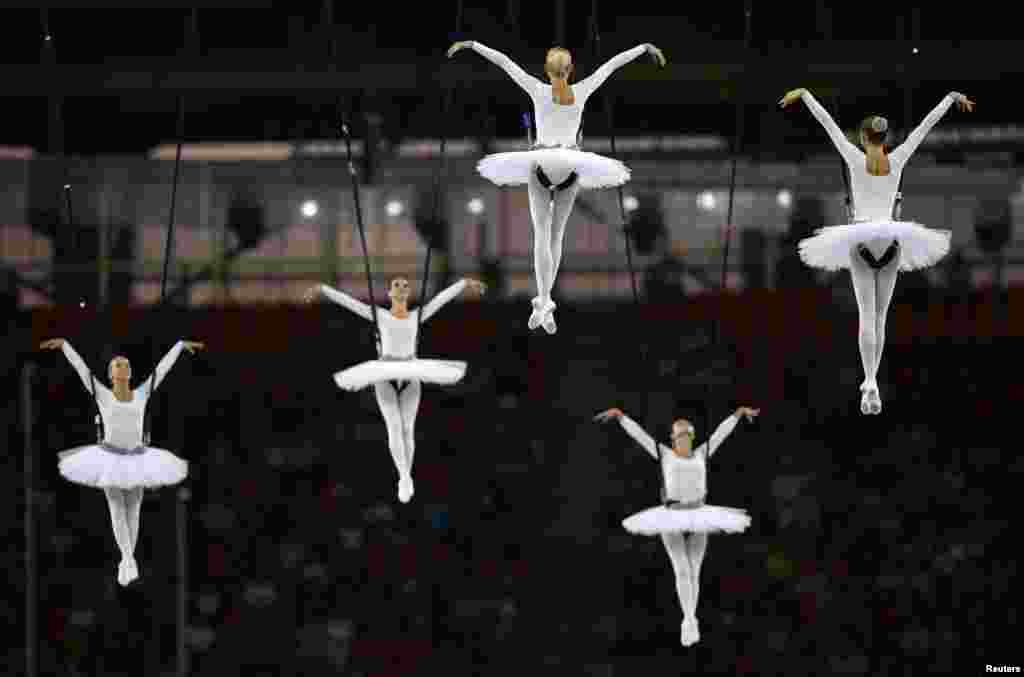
(436, 221)
(353, 173)
(748, 9)
(627, 228)
(168, 242)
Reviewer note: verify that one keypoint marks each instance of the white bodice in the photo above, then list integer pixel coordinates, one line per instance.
(398, 335)
(685, 477)
(557, 124)
(875, 196)
(122, 421)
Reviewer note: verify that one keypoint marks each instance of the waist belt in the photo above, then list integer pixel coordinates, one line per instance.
(683, 505)
(121, 451)
(393, 358)
(551, 146)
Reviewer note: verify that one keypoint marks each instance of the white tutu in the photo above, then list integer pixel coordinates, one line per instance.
(515, 168)
(831, 246)
(95, 466)
(442, 372)
(705, 519)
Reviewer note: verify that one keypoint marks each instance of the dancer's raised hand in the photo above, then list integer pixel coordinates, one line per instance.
(608, 415)
(311, 294)
(52, 344)
(476, 286)
(464, 44)
(193, 346)
(963, 103)
(748, 413)
(791, 97)
(656, 54)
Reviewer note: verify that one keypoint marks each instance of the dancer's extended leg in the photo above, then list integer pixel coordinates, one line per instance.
(563, 204)
(696, 546)
(540, 212)
(387, 400)
(675, 546)
(133, 498)
(885, 284)
(863, 277)
(409, 404)
(117, 503)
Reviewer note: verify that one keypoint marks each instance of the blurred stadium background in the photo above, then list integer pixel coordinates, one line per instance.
(880, 545)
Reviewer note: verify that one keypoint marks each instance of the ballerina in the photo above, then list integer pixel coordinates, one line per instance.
(122, 464)
(555, 169)
(876, 245)
(683, 520)
(396, 376)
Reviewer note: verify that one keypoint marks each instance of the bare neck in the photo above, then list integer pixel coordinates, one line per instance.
(400, 310)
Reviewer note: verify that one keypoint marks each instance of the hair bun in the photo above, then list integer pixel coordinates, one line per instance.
(880, 124)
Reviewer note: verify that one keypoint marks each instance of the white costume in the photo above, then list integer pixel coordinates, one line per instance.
(685, 521)
(122, 465)
(557, 155)
(836, 247)
(397, 375)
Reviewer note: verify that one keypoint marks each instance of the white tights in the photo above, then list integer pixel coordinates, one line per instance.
(873, 289)
(686, 550)
(399, 411)
(549, 219)
(125, 511)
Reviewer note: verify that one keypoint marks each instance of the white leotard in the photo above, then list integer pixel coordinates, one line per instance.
(397, 335)
(557, 124)
(685, 476)
(122, 421)
(875, 196)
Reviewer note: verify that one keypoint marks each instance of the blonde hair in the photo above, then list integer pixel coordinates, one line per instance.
(558, 62)
(558, 65)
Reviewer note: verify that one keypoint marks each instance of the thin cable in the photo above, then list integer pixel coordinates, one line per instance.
(169, 241)
(352, 172)
(595, 35)
(748, 9)
(446, 103)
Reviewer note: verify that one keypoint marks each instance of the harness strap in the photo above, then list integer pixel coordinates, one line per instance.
(546, 182)
(882, 262)
(680, 505)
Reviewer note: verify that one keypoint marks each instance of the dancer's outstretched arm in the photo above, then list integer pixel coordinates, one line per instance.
(514, 71)
(77, 363)
(725, 429)
(632, 429)
(587, 86)
(848, 150)
(903, 152)
(342, 299)
(443, 297)
(167, 362)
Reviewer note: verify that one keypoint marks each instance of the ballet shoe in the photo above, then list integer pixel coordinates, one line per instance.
(874, 401)
(687, 632)
(867, 388)
(537, 316)
(123, 576)
(549, 321)
(133, 570)
(405, 489)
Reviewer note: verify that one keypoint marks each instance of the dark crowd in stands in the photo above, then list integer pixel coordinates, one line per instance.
(879, 545)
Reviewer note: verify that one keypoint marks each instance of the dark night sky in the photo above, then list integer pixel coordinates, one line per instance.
(418, 32)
